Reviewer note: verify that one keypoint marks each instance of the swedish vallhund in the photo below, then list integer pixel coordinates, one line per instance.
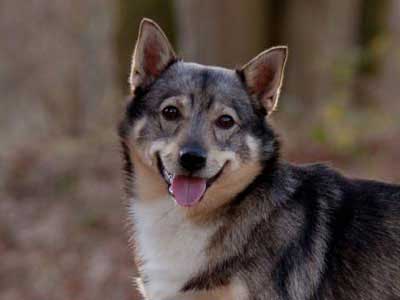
(216, 214)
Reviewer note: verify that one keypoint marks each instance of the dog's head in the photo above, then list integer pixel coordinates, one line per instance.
(198, 132)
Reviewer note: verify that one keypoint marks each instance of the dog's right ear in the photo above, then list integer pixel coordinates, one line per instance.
(153, 53)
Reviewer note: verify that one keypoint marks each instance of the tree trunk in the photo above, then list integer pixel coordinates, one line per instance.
(224, 32)
(322, 38)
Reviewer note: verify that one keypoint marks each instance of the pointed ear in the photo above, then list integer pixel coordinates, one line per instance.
(152, 54)
(263, 76)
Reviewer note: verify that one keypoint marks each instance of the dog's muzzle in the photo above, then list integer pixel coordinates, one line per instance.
(187, 190)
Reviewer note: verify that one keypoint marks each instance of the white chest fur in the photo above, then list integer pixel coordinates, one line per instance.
(171, 248)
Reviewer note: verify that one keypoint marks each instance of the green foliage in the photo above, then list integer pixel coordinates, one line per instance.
(373, 35)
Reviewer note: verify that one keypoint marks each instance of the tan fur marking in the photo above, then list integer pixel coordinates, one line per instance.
(149, 184)
(254, 147)
(139, 125)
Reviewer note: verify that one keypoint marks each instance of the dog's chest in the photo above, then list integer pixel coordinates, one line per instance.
(170, 248)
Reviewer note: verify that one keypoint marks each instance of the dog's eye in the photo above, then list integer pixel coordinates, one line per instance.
(225, 122)
(171, 113)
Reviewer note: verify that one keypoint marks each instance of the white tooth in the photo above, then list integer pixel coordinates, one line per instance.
(168, 176)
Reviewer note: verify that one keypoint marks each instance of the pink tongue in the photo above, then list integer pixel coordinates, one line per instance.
(188, 190)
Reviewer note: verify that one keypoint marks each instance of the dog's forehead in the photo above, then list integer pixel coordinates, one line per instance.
(207, 81)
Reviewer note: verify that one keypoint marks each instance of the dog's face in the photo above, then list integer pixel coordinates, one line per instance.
(200, 130)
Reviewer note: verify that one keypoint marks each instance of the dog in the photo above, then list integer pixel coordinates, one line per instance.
(217, 214)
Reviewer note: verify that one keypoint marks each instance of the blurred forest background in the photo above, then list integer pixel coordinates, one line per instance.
(63, 81)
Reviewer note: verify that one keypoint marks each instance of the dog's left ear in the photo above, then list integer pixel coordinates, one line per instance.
(263, 76)
(153, 53)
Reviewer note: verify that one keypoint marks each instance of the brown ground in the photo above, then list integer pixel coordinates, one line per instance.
(62, 224)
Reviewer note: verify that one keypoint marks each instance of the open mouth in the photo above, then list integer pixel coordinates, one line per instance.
(186, 190)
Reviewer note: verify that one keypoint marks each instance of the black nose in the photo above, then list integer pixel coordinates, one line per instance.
(192, 158)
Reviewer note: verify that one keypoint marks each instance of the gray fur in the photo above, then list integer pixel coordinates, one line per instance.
(292, 232)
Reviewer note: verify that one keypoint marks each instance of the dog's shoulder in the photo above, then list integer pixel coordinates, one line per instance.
(311, 182)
